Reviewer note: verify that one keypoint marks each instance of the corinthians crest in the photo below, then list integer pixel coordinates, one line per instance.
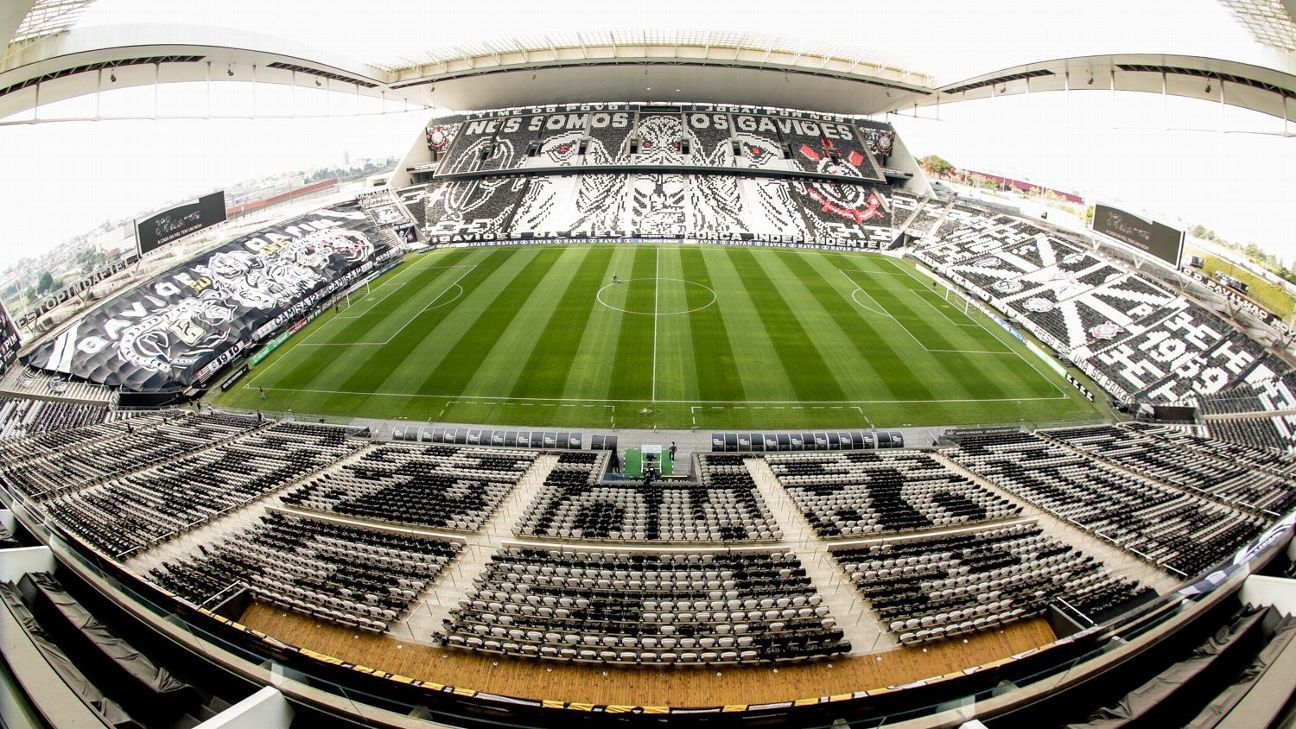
(854, 203)
(1106, 330)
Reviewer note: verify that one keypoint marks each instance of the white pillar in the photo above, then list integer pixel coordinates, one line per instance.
(265, 709)
(1277, 591)
(16, 562)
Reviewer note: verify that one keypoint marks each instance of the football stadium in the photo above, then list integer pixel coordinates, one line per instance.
(659, 382)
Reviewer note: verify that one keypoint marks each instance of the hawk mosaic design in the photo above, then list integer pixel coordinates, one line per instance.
(670, 204)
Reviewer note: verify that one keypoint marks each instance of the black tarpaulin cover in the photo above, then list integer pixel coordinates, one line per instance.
(1246, 681)
(1138, 703)
(112, 714)
(50, 598)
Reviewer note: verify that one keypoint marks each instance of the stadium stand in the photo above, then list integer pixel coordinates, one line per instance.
(609, 138)
(1278, 433)
(103, 654)
(645, 608)
(712, 133)
(475, 148)
(933, 552)
(438, 486)
(761, 150)
(477, 209)
(655, 205)
(7, 539)
(1164, 525)
(24, 416)
(513, 142)
(715, 208)
(63, 668)
(381, 207)
(352, 576)
(666, 205)
(931, 588)
(827, 147)
(771, 205)
(137, 510)
(1241, 397)
(930, 213)
(839, 211)
(1271, 460)
(1135, 338)
(662, 140)
(22, 381)
(414, 199)
(558, 147)
(868, 492)
(65, 461)
(1196, 466)
(246, 286)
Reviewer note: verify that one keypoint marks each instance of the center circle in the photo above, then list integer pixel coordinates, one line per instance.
(654, 296)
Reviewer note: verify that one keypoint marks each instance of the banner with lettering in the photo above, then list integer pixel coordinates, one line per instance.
(163, 333)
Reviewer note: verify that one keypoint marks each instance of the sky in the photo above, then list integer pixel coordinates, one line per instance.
(1165, 157)
(948, 38)
(65, 178)
(1162, 156)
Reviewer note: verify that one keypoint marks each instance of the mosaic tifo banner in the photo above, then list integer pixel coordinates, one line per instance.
(161, 334)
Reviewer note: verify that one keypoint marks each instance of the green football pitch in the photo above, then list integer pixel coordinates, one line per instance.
(705, 336)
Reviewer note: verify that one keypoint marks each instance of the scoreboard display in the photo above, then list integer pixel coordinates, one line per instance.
(1146, 236)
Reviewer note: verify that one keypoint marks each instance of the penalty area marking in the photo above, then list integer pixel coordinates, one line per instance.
(1065, 393)
(431, 305)
(860, 289)
(922, 296)
(395, 279)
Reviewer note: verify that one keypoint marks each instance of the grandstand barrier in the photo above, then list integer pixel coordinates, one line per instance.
(808, 441)
(564, 440)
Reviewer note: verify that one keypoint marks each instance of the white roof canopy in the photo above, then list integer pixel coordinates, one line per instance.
(843, 55)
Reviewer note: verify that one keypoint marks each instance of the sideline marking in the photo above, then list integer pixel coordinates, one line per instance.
(667, 402)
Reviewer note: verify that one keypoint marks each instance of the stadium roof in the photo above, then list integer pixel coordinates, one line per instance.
(852, 57)
(763, 44)
(1271, 22)
(47, 17)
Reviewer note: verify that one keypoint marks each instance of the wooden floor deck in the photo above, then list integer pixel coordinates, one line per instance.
(644, 686)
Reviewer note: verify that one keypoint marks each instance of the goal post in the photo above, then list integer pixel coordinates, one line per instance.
(952, 297)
